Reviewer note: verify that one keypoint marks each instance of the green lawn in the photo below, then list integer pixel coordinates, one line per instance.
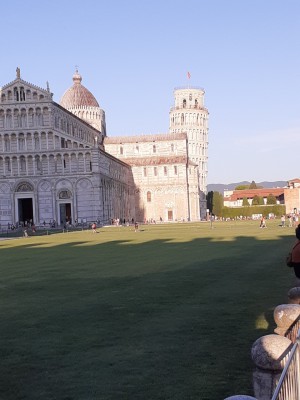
(169, 312)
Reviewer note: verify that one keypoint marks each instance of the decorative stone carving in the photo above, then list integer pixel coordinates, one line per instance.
(64, 184)
(285, 316)
(24, 187)
(84, 184)
(44, 186)
(65, 194)
(4, 188)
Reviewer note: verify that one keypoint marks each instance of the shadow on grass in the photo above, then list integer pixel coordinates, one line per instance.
(151, 320)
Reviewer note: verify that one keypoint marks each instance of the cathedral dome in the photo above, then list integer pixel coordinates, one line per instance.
(78, 95)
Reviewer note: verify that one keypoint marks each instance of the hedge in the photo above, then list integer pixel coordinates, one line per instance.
(276, 209)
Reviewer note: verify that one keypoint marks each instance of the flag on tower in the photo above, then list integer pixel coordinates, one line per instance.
(189, 75)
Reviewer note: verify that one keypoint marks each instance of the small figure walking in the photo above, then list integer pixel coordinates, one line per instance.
(25, 233)
(263, 222)
(136, 227)
(94, 226)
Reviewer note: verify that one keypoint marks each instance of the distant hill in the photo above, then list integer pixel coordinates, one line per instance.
(219, 187)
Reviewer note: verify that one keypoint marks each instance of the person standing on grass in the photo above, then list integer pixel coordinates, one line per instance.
(136, 227)
(283, 221)
(263, 222)
(296, 253)
(94, 227)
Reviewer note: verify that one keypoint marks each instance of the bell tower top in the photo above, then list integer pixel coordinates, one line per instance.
(189, 97)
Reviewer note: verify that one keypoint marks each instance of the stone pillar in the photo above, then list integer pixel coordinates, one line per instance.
(286, 317)
(18, 165)
(269, 354)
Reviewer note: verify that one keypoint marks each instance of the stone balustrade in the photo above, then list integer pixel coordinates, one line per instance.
(270, 352)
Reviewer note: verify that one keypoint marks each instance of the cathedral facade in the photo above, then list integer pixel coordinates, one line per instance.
(57, 163)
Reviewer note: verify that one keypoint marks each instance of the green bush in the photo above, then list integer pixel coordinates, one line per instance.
(229, 212)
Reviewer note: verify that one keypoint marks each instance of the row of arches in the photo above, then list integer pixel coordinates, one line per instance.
(62, 163)
(193, 134)
(19, 93)
(191, 104)
(197, 150)
(96, 113)
(24, 118)
(188, 119)
(74, 128)
(35, 141)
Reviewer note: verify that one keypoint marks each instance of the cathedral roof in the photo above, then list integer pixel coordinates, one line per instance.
(145, 138)
(78, 95)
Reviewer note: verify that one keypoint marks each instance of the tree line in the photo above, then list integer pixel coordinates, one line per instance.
(215, 204)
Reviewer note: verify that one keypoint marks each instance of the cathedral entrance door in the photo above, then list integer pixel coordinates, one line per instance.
(170, 215)
(25, 210)
(65, 212)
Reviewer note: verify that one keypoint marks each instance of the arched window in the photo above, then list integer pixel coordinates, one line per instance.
(149, 197)
(172, 147)
(121, 150)
(184, 103)
(154, 148)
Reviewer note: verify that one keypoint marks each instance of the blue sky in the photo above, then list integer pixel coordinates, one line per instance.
(132, 54)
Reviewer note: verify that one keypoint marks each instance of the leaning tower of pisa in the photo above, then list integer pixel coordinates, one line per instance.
(189, 115)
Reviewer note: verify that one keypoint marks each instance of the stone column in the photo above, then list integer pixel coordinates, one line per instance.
(36, 207)
(84, 161)
(287, 318)
(53, 194)
(269, 354)
(18, 165)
